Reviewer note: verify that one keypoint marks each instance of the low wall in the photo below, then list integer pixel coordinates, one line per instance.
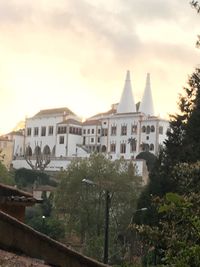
(17, 212)
(18, 237)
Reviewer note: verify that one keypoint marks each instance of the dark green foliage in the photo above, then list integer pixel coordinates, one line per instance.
(25, 178)
(83, 205)
(182, 146)
(42, 219)
(175, 235)
(149, 157)
(178, 171)
(176, 240)
(50, 226)
(5, 176)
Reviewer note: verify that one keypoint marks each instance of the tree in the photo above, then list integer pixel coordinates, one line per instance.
(43, 219)
(176, 224)
(25, 178)
(182, 145)
(176, 240)
(196, 5)
(82, 205)
(40, 160)
(5, 176)
(149, 157)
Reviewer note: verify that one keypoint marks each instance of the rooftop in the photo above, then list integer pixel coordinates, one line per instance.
(55, 111)
(12, 195)
(71, 121)
(91, 122)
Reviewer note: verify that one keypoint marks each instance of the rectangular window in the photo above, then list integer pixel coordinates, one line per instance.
(92, 140)
(99, 131)
(133, 144)
(28, 131)
(92, 131)
(61, 139)
(123, 148)
(50, 130)
(98, 140)
(84, 131)
(88, 131)
(73, 130)
(113, 148)
(113, 130)
(36, 131)
(43, 131)
(62, 129)
(104, 132)
(123, 130)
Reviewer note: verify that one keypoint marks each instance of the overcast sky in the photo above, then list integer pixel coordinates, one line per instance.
(75, 53)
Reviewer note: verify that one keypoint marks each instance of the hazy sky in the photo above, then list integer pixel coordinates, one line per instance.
(75, 53)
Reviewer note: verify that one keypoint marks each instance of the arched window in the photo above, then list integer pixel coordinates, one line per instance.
(28, 151)
(148, 129)
(103, 149)
(54, 151)
(151, 148)
(145, 147)
(143, 129)
(152, 128)
(46, 150)
(37, 150)
(123, 148)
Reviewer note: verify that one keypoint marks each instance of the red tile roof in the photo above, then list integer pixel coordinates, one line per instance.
(92, 122)
(55, 111)
(71, 121)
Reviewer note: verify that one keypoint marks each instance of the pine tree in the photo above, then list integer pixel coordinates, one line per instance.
(182, 146)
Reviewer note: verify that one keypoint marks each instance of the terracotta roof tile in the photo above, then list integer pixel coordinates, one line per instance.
(92, 122)
(56, 111)
(71, 121)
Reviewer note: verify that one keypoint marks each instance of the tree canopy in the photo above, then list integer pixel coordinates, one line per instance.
(83, 204)
(5, 176)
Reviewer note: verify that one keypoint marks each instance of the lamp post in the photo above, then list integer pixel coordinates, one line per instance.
(43, 223)
(106, 226)
(134, 241)
(135, 211)
(106, 233)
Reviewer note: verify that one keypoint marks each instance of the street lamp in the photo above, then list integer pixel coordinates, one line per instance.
(134, 241)
(135, 211)
(106, 226)
(43, 223)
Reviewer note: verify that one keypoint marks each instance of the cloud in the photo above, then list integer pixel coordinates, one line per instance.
(15, 12)
(94, 25)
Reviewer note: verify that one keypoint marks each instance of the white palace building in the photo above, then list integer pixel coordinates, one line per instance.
(124, 131)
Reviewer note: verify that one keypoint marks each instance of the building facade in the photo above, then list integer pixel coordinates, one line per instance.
(123, 132)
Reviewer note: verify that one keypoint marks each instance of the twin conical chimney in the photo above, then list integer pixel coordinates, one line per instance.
(127, 103)
(146, 105)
